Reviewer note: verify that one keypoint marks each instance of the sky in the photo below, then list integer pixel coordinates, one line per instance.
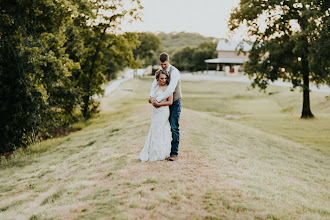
(207, 17)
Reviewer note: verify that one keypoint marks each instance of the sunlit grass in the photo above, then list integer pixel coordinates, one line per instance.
(277, 111)
(226, 170)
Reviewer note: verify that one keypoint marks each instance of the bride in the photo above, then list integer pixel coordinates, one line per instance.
(158, 143)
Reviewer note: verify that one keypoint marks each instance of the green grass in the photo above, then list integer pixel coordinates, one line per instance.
(227, 169)
(277, 113)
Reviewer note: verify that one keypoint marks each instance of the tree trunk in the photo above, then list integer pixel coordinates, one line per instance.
(85, 108)
(306, 110)
(90, 75)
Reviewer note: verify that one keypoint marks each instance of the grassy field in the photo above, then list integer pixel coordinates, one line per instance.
(276, 112)
(227, 169)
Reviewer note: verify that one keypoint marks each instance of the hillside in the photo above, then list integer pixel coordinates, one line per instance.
(173, 42)
(226, 171)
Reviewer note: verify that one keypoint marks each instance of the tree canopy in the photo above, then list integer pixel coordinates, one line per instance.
(149, 48)
(290, 42)
(53, 57)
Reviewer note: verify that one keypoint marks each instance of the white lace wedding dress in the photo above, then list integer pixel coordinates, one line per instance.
(158, 143)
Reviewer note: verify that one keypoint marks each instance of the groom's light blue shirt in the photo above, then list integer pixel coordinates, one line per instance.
(175, 77)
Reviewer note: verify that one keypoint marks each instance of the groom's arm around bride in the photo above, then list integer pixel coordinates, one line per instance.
(174, 86)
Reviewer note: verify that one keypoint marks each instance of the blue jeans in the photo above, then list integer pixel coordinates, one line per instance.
(175, 110)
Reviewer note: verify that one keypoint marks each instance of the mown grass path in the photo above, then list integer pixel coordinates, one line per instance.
(225, 171)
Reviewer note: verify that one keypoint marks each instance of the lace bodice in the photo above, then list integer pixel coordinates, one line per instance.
(158, 92)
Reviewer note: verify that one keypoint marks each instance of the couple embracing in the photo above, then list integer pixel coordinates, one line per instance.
(165, 96)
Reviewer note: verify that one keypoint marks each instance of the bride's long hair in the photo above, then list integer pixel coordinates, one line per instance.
(158, 72)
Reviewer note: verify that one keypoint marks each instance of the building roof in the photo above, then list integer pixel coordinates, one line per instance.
(227, 60)
(225, 45)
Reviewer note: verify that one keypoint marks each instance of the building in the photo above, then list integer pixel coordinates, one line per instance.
(229, 61)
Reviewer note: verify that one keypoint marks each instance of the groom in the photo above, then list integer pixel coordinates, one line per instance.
(175, 109)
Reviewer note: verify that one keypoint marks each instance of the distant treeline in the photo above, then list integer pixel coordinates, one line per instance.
(175, 42)
(193, 58)
(188, 51)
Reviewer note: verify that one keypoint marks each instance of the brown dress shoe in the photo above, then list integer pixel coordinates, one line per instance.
(172, 158)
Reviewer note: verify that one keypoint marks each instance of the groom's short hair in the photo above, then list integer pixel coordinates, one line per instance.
(163, 57)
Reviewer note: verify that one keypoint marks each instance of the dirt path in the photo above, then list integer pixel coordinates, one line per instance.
(225, 171)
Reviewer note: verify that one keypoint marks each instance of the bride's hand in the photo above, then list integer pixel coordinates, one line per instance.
(155, 103)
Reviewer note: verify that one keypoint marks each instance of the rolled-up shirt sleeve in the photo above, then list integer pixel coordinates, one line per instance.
(175, 76)
(153, 87)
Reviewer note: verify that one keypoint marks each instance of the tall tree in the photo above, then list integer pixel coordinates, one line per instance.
(34, 68)
(90, 34)
(119, 53)
(291, 42)
(52, 61)
(149, 48)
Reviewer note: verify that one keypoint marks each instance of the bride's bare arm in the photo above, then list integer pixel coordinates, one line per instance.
(168, 102)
